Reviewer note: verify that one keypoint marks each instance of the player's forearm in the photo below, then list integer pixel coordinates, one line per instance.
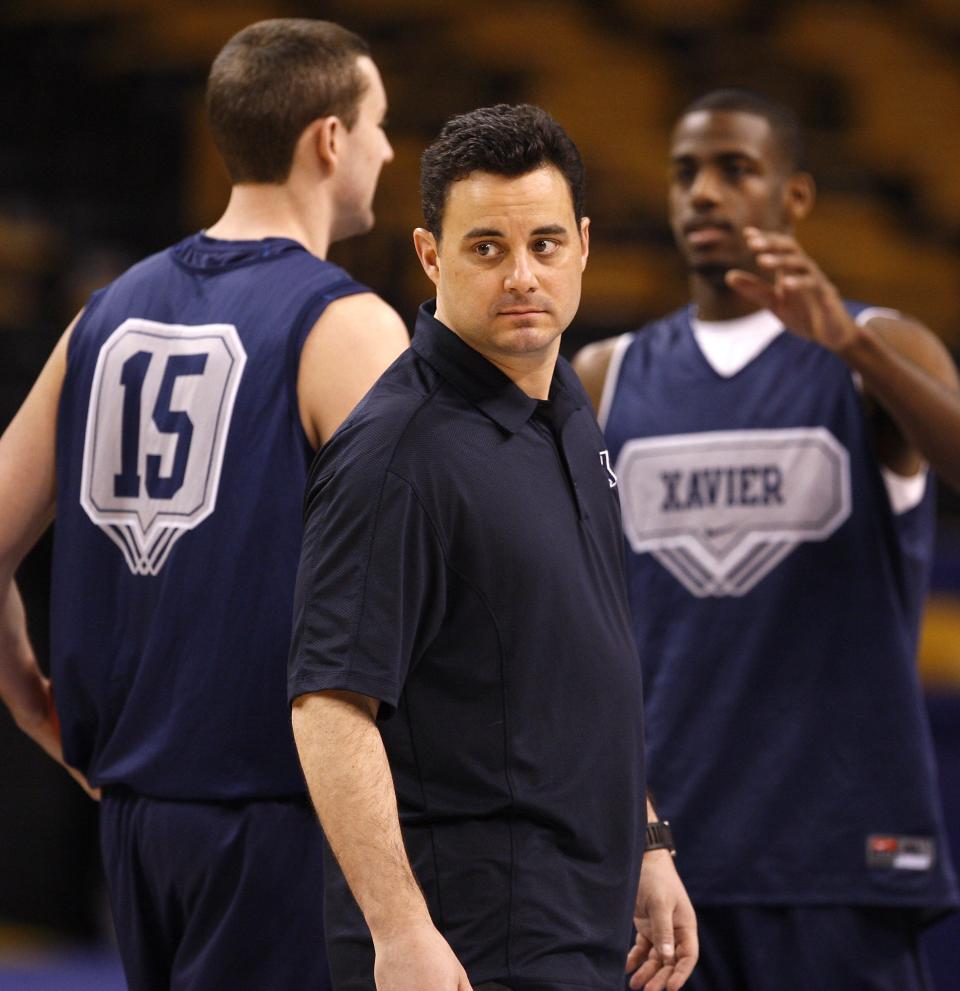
(352, 790)
(926, 410)
(22, 686)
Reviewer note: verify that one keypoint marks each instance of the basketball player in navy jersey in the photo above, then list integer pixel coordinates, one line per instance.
(771, 443)
(171, 431)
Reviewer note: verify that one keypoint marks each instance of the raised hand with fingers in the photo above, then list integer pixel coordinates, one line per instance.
(792, 286)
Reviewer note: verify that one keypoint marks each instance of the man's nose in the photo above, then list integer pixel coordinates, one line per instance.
(705, 189)
(521, 276)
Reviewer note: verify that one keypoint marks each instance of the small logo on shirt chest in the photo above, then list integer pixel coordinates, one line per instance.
(605, 461)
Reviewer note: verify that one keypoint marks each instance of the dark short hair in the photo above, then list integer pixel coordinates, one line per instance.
(503, 140)
(783, 122)
(273, 79)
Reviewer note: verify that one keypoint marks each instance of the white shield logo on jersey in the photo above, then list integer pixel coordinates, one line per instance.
(157, 424)
(721, 509)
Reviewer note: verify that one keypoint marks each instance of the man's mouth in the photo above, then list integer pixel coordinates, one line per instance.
(702, 233)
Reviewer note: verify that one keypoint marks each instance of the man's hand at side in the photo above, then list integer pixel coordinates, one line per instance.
(346, 768)
(666, 948)
(417, 958)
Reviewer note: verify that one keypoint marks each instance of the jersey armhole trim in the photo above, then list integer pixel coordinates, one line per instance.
(905, 492)
(861, 320)
(876, 311)
(89, 307)
(311, 311)
(613, 374)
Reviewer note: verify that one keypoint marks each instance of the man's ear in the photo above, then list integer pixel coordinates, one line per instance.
(425, 244)
(324, 138)
(584, 242)
(801, 192)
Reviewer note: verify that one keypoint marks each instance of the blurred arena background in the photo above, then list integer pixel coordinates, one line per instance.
(105, 158)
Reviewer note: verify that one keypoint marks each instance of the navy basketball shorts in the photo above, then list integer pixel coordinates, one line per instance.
(215, 895)
(808, 949)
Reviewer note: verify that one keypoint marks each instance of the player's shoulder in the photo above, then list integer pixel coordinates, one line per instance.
(592, 365)
(909, 337)
(592, 360)
(395, 405)
(363, 312)
(667, 328)
(598, 364)
(886, 320)
(595, 358)
(86, 329)
(146, 268)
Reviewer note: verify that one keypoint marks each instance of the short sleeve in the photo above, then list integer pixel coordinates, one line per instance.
(370, 587)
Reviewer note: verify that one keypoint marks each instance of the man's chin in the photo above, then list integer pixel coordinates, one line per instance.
(525, 339)
(714, 273)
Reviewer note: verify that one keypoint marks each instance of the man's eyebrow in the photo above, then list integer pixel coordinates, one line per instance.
(545, 231)
(482, 232)
(722, 155)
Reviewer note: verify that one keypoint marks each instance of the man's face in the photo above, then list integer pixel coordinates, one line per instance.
(509, 263)
(365, 151)
(726, 173)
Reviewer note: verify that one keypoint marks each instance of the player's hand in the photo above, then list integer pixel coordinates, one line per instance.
(666, 949)
(417, 959)
(793, 288)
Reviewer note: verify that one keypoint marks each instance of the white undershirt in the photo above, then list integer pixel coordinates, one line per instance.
(730, 345)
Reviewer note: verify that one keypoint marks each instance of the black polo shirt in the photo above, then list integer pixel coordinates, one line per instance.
(463, 563)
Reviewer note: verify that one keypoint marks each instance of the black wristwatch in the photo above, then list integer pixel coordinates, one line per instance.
(660, 837)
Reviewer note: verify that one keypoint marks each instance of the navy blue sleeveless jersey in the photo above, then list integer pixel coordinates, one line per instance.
(181, 466)
(776, 598)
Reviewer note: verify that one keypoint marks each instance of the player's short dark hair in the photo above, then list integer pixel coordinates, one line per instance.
(503, 140)
(273, 79)
(783, 122)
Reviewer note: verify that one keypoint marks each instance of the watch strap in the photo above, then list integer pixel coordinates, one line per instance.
(659, 837)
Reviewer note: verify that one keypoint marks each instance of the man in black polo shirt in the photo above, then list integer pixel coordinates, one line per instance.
(463, 663)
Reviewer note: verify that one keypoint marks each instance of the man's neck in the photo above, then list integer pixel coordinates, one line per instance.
(260, 210)
(532, 374)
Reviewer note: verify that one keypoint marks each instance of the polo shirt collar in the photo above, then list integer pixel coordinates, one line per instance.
(481, 382)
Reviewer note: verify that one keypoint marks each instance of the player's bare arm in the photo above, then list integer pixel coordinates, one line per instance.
(347, 350)
(666, 948)
(27, 494)
(346, 768)
(902, 364)
(592, 363)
